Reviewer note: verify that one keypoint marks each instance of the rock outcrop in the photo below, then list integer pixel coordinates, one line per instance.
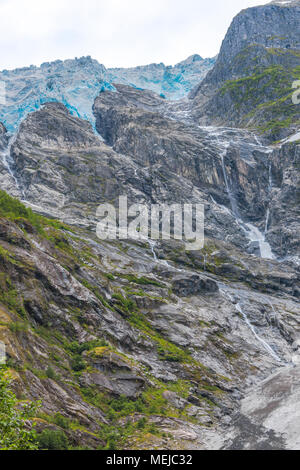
(251, 83)
(141, 343)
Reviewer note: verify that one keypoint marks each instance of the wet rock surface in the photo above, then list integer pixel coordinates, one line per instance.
(142, 340)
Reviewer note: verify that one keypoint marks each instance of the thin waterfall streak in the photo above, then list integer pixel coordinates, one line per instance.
(6, 156)
(267, 221)
(252, 233)
(239, 309)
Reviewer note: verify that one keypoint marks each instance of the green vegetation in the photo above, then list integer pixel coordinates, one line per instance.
(122, 412)
(95, 292)
(50, 373)
(16, 327)
(167, 351)
(128, 305)
(275, 79)
(50, 439)
(13, 209)
(75, 350)
(10, 297)
(57, 419)
(268, 95)
(14, 433)
(116, 436)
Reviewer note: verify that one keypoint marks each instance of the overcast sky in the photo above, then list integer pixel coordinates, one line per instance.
(121, 33)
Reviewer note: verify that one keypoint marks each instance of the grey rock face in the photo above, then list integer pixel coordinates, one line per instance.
(285, 199)
(260, 51)
(112, 332)
(269, 415)
(3, 137)
(218, 319)
(193, 285)
(272, 25)
(63, 168)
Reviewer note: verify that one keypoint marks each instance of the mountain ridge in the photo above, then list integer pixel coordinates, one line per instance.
(77, 82)
(139, 343)
(251, 84)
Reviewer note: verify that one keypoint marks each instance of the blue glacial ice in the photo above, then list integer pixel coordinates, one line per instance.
(77, 82)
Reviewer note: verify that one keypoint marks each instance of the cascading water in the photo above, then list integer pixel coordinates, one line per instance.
(239, 309)
(270, 177)
(152, 246)
(204, 262)
(252, 233)
(274, 315)
(6, 157)
(267, 221)
(267, 347)
(255, 235)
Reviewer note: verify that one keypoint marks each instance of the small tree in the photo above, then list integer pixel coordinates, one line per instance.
(14, 432)
(52, 440)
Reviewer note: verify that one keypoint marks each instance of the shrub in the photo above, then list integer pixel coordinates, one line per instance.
(52, 440)
(61, 421)
(14, 434)
(14, 209)
(50, 373)
(77, 363)
(141, 423)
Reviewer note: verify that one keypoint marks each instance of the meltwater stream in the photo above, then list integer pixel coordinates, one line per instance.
(251, 231)
(267, 347)
(6, 155)
(239, 309)
(238, 306)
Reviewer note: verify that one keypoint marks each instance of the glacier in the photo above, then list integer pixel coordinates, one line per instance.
(77, 82)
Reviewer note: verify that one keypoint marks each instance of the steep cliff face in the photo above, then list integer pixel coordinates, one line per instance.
(251, 83)
(139, 343)
(76, 83)
(180, 335)
(274, 26)
(103, 331)
(61, 167)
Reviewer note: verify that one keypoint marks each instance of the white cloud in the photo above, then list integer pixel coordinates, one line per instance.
(115, 32)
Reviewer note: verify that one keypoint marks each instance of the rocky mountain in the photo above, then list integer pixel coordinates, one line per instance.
(76, 83)
(252, 82)
(171, 82)
(142, 344)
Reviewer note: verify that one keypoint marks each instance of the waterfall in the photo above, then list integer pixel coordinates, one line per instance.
(204, 262)
(255, 235)
(252, 233)
(6, 157)
(152, 245)
(274, 313)
(239, 309)
(162, 262)
(266, 346)
(270, 177)
(267, 221)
